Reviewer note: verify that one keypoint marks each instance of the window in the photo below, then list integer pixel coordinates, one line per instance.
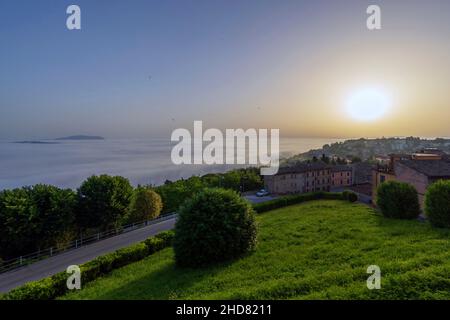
(382, 178)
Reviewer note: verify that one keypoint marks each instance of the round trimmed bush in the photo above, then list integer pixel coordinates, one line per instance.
(215, 225)
(145, 204)
(437, 203)
(398, 200)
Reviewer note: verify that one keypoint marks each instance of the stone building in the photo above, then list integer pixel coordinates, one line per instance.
(419, 169)
(308, 177)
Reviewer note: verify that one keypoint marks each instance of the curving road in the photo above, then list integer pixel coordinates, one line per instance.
(53, 265)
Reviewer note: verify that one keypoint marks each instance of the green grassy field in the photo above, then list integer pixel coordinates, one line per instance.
(316, 250)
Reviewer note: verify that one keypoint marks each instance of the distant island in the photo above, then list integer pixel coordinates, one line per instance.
(81, 137)
(367, 149)
(36, 142)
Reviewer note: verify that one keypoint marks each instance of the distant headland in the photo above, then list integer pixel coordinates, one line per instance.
(81, 137)
(58, 140)
(370, 148)
(36, 142)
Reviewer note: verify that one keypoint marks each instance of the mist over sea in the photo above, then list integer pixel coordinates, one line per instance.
(143, 161)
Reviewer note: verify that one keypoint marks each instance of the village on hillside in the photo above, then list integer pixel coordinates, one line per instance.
(420, 168)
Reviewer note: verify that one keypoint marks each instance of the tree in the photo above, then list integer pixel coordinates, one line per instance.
(214, 226)
(145, 204)
(103, 202)
(325, 159)
(18, 223)
(355, 159)
(437, 203)
(33, 218)
(398, 200)
(56, 213)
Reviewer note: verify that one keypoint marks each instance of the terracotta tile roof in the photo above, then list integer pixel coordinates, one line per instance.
(430, 168)
(341, 167)
(304, 167)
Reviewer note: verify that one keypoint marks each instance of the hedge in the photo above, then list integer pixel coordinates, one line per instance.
(55, 286)
(350, 196)
(437, 204)
(398, 200)
(296, 199)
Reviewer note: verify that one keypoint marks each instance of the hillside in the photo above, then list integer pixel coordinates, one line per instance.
(316, 250)
(368, 148)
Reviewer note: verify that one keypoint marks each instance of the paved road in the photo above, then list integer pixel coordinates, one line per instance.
(255, 199)
(53, 265)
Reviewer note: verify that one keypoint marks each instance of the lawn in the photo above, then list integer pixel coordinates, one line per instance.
(316, 250)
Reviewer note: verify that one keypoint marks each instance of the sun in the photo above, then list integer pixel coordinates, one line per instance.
(368, 104)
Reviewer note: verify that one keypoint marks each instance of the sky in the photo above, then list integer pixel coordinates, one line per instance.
(144, 68)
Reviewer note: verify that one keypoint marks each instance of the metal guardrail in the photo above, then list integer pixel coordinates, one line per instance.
(28, 259)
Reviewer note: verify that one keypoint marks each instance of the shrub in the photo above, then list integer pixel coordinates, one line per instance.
(345, 194)
(398, 200)
(214, 226)
(54, 286)
(295, 199)
(166, 236)
(145, 204)
(352, 197)
(155, 244)
(437, 203)
(103, 202)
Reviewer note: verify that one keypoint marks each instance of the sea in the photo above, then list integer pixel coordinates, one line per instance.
(68, 163)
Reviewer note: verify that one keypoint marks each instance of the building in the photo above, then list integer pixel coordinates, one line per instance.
(419, 169)
(308, 177)
(341, 176)
(305, 177)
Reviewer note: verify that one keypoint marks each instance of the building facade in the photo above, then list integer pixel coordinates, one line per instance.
(341, 176)
(419, 170)
(308, 177)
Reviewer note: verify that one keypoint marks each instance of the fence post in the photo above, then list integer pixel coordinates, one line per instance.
(20, 260)
(76, 243)
(51, 251)
(98, 236)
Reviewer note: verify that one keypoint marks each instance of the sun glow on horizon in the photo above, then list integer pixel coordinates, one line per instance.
(368, 104)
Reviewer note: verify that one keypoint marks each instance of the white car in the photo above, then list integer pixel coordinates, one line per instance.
(262, 193)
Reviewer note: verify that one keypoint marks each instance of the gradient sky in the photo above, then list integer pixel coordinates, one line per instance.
(143, 68)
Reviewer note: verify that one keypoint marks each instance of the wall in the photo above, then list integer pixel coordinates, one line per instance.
(417, 179)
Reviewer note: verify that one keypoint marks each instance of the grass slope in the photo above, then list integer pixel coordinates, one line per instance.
(316, 250)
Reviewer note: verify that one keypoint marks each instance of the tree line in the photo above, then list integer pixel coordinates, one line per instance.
(37, 217)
